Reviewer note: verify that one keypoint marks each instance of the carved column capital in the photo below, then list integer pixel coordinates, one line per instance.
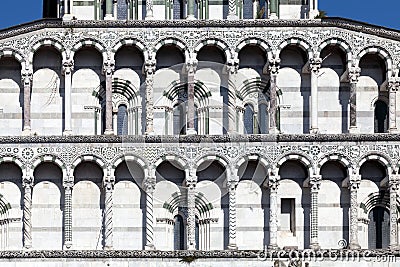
(27, 76)
(67, 66)
(191, 65)
(315, 182)
(393, 84)
(394, 182)
(354, 181)
(315, 64)
(273, 66)
(109, 67)
(109, 182)
(232, 66)
(273, 183)
(150, 66)
(354, 74)
(27, 181)
(149, 184)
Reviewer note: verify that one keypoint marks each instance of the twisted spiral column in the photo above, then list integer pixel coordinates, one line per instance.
(150, 69)
(27, 77)
(273, 70)
(108, 214)
(354, 74)
(108, 69)
(393, 86)
(27, 212)
(149, 187)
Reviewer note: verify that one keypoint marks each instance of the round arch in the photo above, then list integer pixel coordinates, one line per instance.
(298, 157)
(46, 43)
(343, 45)
(129, 42)
(88, 43)
(219, 158)
(174, 42)
(299, 43)
(213, 42)
(377, 157)
(9, 52)
(48, 158)
(263, 45)
(252, 157)
(171, 158)
(338, 158)
(88, 158)
(382, 53)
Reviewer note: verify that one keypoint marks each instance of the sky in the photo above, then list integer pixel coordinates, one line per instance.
(379, 12)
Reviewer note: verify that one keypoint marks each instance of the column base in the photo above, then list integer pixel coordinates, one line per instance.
(315, 246)
(26, 132)
(67, 246)
(313, 14)
(273, 246)
(354, 246)
(394, 247)
(108, 132)
(150, 247)
(150, 133)
(108, 248)
(109, 17)
(354, 130)
(67, 133)
(273, 16)
(191, 17)
(150, 17)
(191, 131)
(314, 131)
(232, 247)
(393, 131)
(232, 17)
(273, 130)
(68, 17)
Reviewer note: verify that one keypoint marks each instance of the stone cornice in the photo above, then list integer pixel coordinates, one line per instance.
(203, 138)
(263, 255)
(326, 22)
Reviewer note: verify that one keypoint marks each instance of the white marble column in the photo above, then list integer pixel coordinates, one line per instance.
(273, 184)
(150, 69)
(149, 186)
(393, 87)
(115, 121)
(68, 185)
(149, 10)
(232, 69)
(273, 106)
(354, 74)
(315, 183)
(27, 184)
(27, 78)
(394, 181)
(232, 7)
(191, 180)
(108, 184)
(256, 6)
(108, 69)
(232, 186)
(191, 66)
(354, 184)
(67, 68)
(109, 10)
(315, 66)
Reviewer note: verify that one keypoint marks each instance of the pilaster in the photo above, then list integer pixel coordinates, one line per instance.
(150, 69)
(273, 70)
(108, 70)
(315, 66)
